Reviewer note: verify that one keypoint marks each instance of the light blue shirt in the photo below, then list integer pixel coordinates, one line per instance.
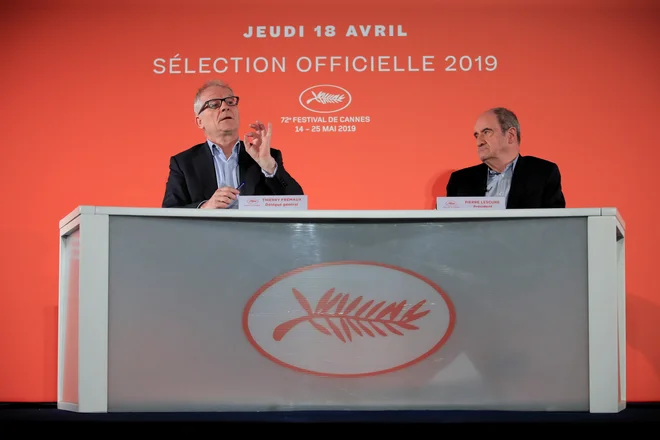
(226, 168)
(499, 184)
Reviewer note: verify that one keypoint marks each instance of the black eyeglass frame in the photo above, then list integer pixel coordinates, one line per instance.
(206, 104)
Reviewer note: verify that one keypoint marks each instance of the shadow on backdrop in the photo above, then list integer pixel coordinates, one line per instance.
(643, 333)
(438, 188)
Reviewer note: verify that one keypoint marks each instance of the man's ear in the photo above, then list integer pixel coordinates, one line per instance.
(511, 135)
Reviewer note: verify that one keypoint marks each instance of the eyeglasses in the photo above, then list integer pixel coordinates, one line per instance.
(217, 103)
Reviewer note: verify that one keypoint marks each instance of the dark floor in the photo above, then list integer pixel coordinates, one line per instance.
(635, 412)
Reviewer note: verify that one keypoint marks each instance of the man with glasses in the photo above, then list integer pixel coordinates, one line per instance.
(523, 181)
(212, 174)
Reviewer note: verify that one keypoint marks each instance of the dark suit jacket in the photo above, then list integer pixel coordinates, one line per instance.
(536, 183)
(192, 177)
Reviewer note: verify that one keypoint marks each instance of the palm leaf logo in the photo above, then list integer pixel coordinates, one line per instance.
(353, 318)
(326, 98)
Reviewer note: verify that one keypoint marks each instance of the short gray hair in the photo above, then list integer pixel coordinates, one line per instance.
(507, 119)
(197, 106)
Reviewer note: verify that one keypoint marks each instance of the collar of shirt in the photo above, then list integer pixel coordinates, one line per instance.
(510, 167)
(233, 150)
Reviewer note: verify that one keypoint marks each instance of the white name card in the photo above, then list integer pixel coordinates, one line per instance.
(470, 203)
(272, 202)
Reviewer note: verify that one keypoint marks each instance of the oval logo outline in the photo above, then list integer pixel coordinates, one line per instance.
(305, 106)
(439, 344)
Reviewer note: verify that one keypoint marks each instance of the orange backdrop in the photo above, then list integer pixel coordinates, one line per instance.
(87, 118)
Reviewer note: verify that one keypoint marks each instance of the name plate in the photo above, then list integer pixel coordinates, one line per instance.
(272, 202)
(470, 203)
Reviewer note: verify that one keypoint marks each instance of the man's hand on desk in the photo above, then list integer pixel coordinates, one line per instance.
(221, 198)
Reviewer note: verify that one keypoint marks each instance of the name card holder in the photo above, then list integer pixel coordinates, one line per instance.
(444, 203)
(272, 202)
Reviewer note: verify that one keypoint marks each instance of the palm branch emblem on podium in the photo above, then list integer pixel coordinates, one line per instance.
(335, 315)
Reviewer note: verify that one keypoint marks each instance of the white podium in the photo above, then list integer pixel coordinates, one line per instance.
(184, 310)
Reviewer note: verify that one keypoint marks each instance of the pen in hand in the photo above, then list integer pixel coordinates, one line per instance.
(234, 201)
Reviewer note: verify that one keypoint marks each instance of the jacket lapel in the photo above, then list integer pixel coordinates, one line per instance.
(481, 180)
(517, 184)
(248, 172)
(205, 169)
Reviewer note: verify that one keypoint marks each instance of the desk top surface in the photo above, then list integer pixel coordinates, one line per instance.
(341, 214)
